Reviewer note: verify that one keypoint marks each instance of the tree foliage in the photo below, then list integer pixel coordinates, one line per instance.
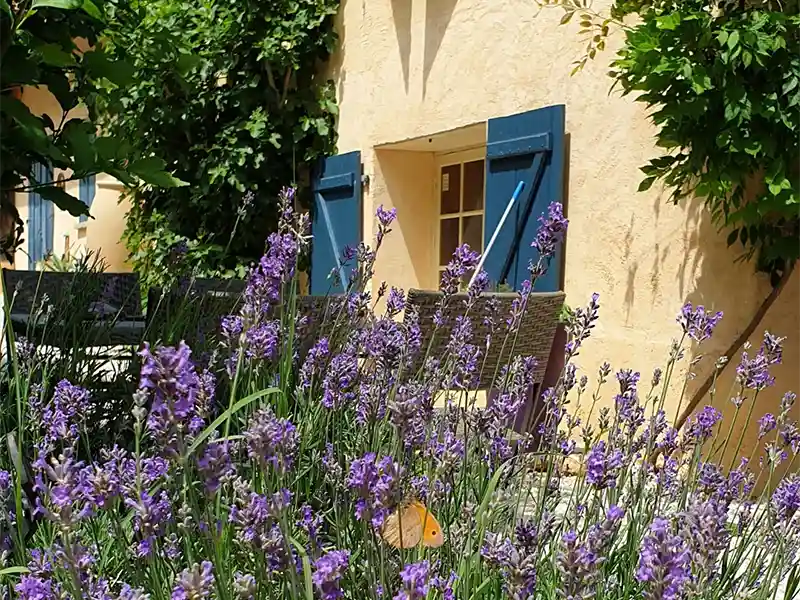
(53, 43)
(229, 94)
(723, 85)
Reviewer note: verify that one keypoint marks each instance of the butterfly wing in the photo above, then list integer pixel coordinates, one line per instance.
(432, 536)
(403, 528)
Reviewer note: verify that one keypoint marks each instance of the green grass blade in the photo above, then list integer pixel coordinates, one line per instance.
(309, 587)
(227, 415)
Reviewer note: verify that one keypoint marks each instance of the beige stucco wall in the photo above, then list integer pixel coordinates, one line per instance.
(413, 68)
(102, 232)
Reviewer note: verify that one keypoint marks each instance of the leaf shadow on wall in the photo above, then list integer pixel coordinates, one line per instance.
(338, 73)
(437, 17)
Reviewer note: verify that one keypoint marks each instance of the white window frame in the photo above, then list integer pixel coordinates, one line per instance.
(446, 159)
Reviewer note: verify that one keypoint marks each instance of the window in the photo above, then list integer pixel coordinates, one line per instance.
(86, 190)
(461, 203)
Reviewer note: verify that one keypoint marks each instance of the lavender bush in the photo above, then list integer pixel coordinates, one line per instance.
(270, 467)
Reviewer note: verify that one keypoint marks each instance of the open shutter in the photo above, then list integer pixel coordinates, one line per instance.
(41, 216)
(337, 219)
(86, 194)
(527, 147)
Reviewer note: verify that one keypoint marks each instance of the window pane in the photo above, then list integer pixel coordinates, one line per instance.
(450, 186)
(448, 239)
(473, 185)
(472, 232)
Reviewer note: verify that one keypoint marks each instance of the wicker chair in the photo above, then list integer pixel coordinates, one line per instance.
(536, 333)
(192, 311)
(207, 301)
(68, 309)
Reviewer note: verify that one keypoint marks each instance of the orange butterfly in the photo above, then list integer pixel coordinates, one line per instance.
(410, 525)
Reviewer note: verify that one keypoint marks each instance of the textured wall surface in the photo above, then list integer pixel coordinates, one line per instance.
(410, 69)
(102, 233)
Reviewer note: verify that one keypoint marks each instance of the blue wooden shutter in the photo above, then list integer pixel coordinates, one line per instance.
(41, 216)
(86, 194)
(527, 147)
(337, 219)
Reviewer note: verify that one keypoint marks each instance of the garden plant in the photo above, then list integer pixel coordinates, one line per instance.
(300, 458)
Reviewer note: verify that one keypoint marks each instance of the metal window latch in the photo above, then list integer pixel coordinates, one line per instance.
(365, 180)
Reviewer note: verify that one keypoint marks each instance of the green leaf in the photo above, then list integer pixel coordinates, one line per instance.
(63, 4)
(228, 414)
(63, 200)
(646, 184)
(775, 189)
(100, 66)
(164, 180)
(157, 177)
(669, 22)
(790, 84)
(733, 39)
(77, 134)
(567, 17)
(20, 112)
(14, 571)
(4, 7)
(732, 236)
(91, 9)
(55, 55)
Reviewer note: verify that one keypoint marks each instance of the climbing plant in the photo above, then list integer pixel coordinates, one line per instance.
(230, 94)
(722, 82)
(53, 44)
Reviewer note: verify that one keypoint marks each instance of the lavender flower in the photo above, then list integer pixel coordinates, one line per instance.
(311, 525)
(328, 572)
(232, 327)
(602, 465)
(551, 231)
(704, 527)
(395, 302)
(314, 362)
(340, 379)
(464, 260)
(266, 279)
(151, 514)
(698, 323)
(447, 452)
(34, 587)
(411, 410)
(195, 583)
(171, 379)
(517, 565)
(415, 580)
(766, 424)
(272, 441)
(579, 328)
(244, 586)
(64, 495)
(701, 428)
(578, 566)
(664, 565)
(67, 410)
(375, 484)
(785, 500)
(215, 465)
(262, 340)
(753, 373)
